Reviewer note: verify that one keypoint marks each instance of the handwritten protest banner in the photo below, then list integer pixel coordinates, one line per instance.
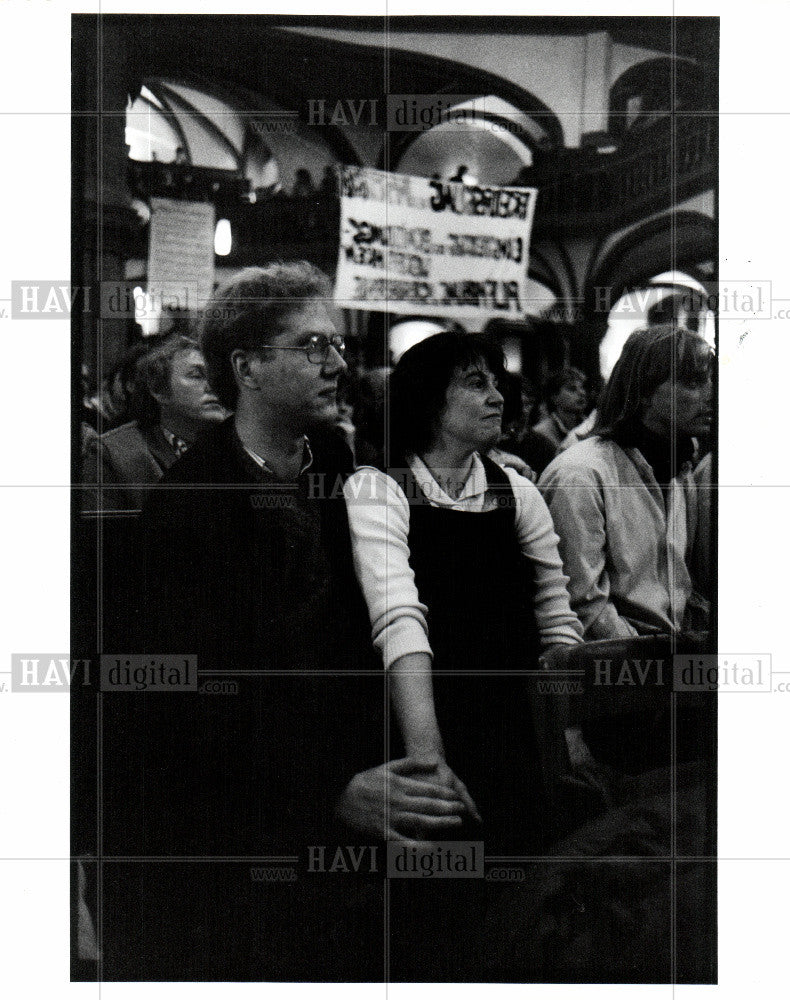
(432, 247)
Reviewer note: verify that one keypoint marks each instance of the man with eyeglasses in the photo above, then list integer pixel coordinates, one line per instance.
(247, 564)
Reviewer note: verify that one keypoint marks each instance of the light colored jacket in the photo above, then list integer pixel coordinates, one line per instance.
(624, 553)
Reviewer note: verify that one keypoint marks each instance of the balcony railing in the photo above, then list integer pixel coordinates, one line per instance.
(628, 185)
(579, 190)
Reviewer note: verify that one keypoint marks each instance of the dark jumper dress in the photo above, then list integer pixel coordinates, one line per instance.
(479, 589)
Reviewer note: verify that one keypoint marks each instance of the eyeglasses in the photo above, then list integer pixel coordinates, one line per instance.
(316, 349)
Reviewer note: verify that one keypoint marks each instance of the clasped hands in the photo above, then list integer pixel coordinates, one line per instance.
(412, 800)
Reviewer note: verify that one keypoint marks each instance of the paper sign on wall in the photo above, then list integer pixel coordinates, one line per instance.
(181, 253)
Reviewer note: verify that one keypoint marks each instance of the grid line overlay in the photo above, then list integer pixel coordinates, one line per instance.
(673, 858)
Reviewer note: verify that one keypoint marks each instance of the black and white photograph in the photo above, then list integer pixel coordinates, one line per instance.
(418, 505)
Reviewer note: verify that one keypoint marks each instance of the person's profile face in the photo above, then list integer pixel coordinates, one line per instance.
(472, 413)
(302, 391)
(190, 394)
(572, 398)
(681, 408)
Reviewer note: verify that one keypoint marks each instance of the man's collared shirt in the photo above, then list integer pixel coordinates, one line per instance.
(261, 463)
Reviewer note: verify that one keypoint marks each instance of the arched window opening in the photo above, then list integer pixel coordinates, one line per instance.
(672, 296)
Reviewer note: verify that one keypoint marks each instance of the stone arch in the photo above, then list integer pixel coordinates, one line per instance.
(672, 241)
(659, 86)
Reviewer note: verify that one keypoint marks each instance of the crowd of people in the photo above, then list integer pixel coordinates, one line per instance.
(383, 557)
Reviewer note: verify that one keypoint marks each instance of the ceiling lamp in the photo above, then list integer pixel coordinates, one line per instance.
(223, 238)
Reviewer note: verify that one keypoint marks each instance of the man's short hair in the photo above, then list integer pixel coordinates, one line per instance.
(248, 310)
(420, 380)
(558, 380)
(649, 358)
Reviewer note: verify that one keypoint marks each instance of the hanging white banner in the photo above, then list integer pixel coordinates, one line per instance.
(432, 247)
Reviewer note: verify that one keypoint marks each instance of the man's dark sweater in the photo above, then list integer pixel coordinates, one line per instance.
(256, 578)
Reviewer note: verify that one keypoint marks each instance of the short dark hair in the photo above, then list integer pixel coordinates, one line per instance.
(247, 311)
(557, 381)
(649, 357)
(419, 383)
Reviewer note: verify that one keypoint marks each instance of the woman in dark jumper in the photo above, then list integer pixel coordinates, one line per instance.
(458, 562)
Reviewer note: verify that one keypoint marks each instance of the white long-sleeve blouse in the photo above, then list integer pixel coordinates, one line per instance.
(378, 513)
